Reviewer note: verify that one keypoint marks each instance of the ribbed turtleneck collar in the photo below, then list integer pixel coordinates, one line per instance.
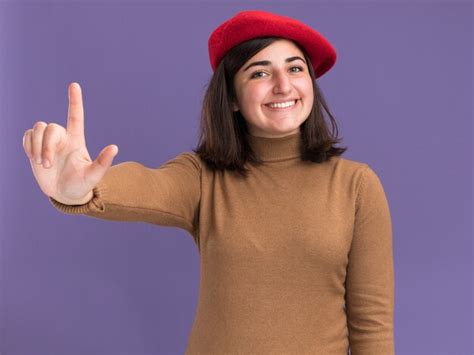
(272, 149)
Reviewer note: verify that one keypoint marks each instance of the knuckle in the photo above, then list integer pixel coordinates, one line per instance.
(46, 153)
(47, 146)
(39, 124)
(48, 130)
(26, 136)
(53, 126)
(46, 149)
(26, 143)
(55, 130)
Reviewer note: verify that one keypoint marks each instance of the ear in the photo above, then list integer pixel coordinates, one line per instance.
(235, 108)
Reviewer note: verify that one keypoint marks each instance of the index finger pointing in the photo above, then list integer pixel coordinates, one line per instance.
(75, 115)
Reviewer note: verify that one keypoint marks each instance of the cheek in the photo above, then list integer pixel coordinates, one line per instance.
(307, 90)
(252, 95)
(309, 95)
(307, 87)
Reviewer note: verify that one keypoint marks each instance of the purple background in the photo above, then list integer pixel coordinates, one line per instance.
(401, 91)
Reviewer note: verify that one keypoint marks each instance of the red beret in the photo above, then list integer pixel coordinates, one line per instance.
(251, 24)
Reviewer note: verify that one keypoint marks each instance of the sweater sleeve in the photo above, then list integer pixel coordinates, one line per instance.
(168, 195)
(370, 274)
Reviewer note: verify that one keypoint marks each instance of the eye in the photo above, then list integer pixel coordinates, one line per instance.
(300, 69)
(254, 75)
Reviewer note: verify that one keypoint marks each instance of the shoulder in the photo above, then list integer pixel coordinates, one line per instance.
(348, 167)
(361, 168)
(361, 175)
(192, 157)
(185, 161)
(367, 183)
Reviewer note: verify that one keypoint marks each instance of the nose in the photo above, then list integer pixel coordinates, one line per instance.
(282, 83)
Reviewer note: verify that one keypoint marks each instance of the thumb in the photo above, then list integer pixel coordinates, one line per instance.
(101, 164)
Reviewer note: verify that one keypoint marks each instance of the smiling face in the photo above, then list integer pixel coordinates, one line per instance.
(280, 76)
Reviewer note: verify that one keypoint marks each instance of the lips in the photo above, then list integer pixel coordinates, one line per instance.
(281, 108)
(281, 101)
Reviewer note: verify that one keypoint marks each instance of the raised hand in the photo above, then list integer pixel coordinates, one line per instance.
(59, 158)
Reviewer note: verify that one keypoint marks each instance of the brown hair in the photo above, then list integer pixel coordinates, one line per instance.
(222, 142)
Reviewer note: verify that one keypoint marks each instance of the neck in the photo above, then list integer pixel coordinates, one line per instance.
(273, 149)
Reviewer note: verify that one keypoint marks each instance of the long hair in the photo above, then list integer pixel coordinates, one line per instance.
(222, 141)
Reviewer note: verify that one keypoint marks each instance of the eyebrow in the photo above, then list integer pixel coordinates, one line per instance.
(267, 62)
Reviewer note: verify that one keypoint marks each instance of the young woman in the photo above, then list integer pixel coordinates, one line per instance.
(295, 241)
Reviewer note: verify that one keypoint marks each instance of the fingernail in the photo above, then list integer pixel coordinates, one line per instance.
(46, 163)
(38, 160)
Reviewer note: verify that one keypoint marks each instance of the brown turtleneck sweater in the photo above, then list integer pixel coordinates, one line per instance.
(296, 259)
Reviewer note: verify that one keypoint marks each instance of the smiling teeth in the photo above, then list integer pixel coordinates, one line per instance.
(283, 104)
